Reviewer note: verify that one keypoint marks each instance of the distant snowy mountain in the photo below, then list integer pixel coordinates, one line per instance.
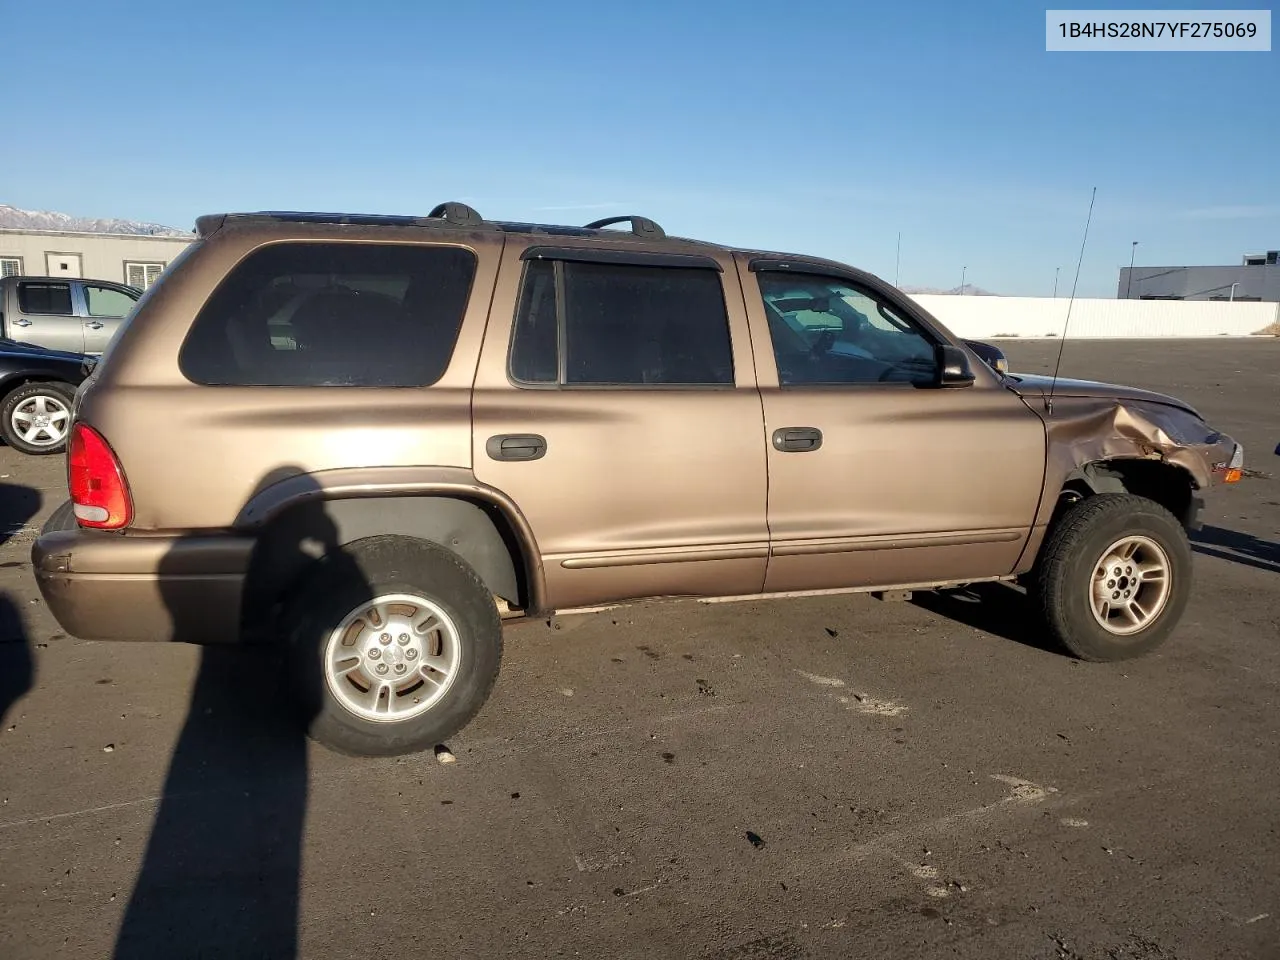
(15, 219)
(969, 290)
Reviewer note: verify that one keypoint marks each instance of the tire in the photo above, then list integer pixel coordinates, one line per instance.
(465, 642)
(23, 410)
(63, 518)
(1072, 597)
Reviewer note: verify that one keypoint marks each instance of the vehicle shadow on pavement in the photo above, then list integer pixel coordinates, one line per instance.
(996, 608)
(221, 873)
(1242, 548)
(18, 504)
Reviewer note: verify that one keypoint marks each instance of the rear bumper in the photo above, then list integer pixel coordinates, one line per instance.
(101, 586)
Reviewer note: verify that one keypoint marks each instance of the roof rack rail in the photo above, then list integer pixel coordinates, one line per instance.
(640, 226)
(457, 213)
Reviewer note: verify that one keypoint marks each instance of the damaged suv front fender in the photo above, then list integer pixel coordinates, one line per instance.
(1082, 432)
(1087, 435)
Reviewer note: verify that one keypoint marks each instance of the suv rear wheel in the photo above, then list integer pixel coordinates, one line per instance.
(1115, 577)
(397, 644)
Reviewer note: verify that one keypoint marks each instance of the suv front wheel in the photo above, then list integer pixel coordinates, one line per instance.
(1115, 577)
(397, 645)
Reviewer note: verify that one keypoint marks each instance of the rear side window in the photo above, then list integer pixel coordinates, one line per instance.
(611, 324)
(332, 315)
(45, 298)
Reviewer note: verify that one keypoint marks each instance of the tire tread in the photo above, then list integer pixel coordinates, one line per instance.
(373, 556)
(1062, 550)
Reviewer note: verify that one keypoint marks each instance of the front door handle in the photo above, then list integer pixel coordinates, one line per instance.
(516, 446)
(797, 439)
(21, 323)
(94, 325)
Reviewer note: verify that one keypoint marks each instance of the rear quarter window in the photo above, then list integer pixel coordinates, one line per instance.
(332, 315)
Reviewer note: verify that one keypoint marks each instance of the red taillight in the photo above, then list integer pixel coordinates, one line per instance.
(98, 489)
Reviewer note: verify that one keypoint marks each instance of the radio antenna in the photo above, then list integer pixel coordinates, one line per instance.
(1062, 343)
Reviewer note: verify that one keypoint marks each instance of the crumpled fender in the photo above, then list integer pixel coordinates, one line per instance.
(1082, 431)
(1085, 430)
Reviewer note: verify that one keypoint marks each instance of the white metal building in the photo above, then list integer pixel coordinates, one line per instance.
(124, 258)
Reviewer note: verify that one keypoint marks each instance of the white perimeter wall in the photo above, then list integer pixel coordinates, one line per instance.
(977, 317)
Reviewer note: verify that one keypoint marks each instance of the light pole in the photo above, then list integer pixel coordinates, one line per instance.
(1232, 296)
(1055, 280)
(1129, 283)
(897, 259)
(963, 271)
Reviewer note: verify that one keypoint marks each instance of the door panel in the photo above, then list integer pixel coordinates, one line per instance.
(909, 485)
(102, 308)
(45, 316)
(906, 483)
(631, 489)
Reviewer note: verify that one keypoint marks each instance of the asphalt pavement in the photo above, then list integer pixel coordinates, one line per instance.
(822, 777)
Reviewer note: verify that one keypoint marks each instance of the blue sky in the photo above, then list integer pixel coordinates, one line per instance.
(822, 128)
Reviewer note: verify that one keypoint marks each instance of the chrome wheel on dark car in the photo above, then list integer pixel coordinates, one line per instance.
(37, 417)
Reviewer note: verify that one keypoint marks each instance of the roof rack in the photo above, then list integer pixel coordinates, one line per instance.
(457, 213)
(451, 212)
(640, 226)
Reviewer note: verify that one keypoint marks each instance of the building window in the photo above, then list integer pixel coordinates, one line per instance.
(10, 266)
(141, 275)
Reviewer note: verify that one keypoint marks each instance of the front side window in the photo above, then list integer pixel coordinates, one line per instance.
(621, 324)
(45, 298)
(107, 301)
(826, 331)
(332, 314)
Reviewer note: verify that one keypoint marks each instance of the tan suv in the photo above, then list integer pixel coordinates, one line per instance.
(372, 438)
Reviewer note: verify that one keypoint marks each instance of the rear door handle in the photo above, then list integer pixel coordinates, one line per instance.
(797, 439)
(516, 446)
(21, 323)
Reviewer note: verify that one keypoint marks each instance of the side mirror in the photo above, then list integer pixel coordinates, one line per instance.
(953, 367)
(989, 354)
